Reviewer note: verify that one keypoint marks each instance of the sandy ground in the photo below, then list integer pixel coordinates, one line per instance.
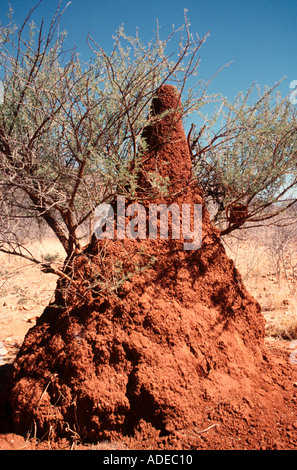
(24, 293)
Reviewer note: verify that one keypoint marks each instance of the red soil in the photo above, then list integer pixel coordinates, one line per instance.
(174, 358)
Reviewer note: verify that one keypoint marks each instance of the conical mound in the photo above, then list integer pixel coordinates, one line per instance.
(153, 342)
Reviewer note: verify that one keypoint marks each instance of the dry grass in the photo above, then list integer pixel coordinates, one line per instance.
(267, 261)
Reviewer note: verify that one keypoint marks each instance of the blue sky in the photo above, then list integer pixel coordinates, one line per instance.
(259, 36)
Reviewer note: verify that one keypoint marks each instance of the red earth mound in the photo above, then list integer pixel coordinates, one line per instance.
(153, 346)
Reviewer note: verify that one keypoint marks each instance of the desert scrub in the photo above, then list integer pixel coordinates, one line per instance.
(283, 326)
(51, 257)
